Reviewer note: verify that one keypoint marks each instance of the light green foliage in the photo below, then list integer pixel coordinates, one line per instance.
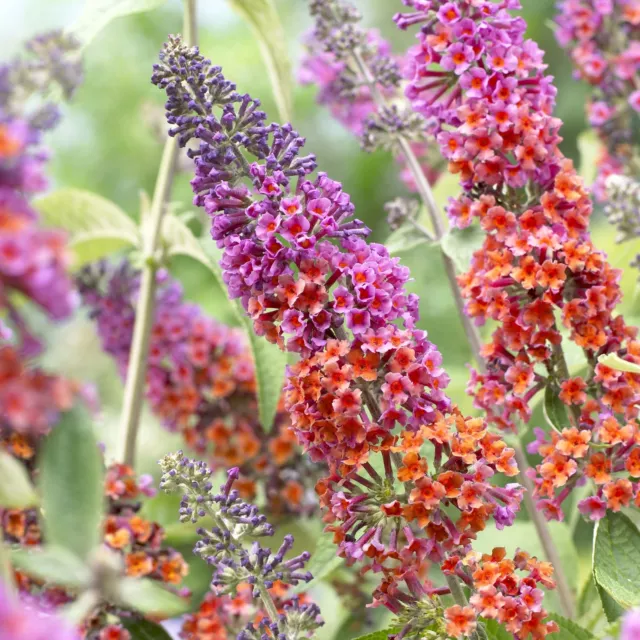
(555, 411)
(614, 361)
(96, 226)
(270, 362)
(97, 14)
(379, 635)
(16, 490)
(150, 598)
(71, 484)
(264, 20)
(569, 630)
(590, 149)
(461, 244)
(324, 561)
(616, 558)
(52, 564)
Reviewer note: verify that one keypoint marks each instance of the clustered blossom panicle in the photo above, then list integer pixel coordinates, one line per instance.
(201, 382)
(242, 566)
(603, 39)
(32, 259)
(623, 208)
(330, 65)
(538, 274)
(139, 542)
(25, 621)
(369, 386)
(223, 617)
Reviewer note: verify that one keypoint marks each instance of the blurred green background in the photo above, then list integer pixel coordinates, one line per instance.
(108, 143)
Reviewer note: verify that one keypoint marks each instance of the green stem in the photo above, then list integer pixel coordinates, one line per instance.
(269, 604)
(6, 570)
(473, 337)
(137, 369)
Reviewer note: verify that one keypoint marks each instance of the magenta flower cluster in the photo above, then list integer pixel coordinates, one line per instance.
(33, 259)
(603, 39)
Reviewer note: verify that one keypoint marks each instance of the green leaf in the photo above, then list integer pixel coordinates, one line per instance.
(614, 361)
(179, 240)
(588, 595)
(324, 561)
(590, 148)
(495, 631)
(71, 484)
(55, 565)
(16, 490)
(145, 630)
(616, 558)
(569, 630)
(96, 226)
(461, 244)
(383, 634)
(97, 14)
(612, 609)
(264, 20)
(555, 411)
(404, 239)
(150, 599)
(270, 361)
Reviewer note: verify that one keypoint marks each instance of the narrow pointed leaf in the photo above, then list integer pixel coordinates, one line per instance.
(96, 226)
(379, 635)
(151, 599)
(569, 630)
(54, 565)
(97, 14)
(263, 18)
(270, 362)
(71, 484)
(324, 560)
(555, 411)
(16, 489)
(616, 558)
(614, 361)
(145, 630)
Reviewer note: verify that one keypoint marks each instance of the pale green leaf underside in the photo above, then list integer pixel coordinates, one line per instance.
(96, 226)
(72, 484)
(151, 599)
(614, 361)
(16, 489)
(97, 14)
(461, 244)
(53, 565)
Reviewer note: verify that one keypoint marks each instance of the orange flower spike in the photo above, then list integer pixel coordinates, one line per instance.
(572, 391)
(599, 468)
(574, 443)
(413, 468)
(461, 621)
(618, 494)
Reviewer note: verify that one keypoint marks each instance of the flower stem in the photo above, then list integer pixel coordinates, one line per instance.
(474, 340)
(542, 528)
(137, 369)
(268, 603)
